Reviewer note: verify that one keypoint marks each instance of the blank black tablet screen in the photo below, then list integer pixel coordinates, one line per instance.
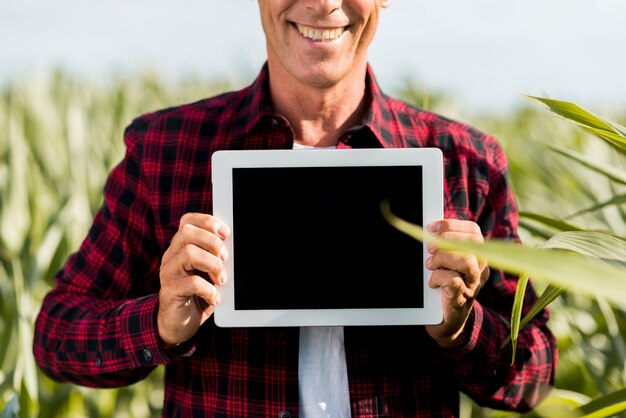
(314, 238)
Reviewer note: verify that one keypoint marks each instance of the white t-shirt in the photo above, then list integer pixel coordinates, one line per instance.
(322, 373)
(322, 370)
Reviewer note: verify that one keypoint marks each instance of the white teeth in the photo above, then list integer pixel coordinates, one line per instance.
(320, 35)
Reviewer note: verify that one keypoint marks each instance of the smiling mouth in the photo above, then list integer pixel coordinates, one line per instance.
(320, 35)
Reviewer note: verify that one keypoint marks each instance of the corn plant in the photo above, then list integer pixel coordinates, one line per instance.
(59, 138)
(588, 261)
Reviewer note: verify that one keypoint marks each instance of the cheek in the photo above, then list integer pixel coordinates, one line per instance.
(365, 39)
(369, 27)
(269, 17)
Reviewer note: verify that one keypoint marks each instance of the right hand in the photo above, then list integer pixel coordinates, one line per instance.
(191, 269)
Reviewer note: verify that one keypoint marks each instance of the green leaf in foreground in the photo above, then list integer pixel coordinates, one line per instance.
(592, 244)
(551, 222)
(617, 140)
(516, 313)
(610, 132)
(576, 114)
(610, 172)
(589, 243)
(560, 268)
(560, 403)
(605, 406)
(548, 296)
(615, 200)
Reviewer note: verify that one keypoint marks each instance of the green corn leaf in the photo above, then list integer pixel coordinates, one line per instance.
(615, 200)
(551, 222)
(612, 173)
(621, 129)
(614, 332)
(516, 313)
(592, 244)
(570, 270)
(561, 403)
(576, 114)
(534, 229)
(605, 406)
(27, 375)
(609, 131)
(618, 140)
(548, 296)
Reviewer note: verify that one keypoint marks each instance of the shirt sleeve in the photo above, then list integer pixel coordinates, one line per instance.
(483, 368)
(97, 326)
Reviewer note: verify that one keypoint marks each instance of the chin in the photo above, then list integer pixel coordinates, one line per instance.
(323, 78)
(322, 82)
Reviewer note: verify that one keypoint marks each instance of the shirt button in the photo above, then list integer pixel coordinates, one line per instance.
(147, 355)
(98, 362)
(284, 414)
(274, 122)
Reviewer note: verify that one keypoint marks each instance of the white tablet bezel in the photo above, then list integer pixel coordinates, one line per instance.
(223, 162)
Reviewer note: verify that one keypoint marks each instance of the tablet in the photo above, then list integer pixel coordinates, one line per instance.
(309, 245)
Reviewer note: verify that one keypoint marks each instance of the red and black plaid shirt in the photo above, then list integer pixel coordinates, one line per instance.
(97, 327)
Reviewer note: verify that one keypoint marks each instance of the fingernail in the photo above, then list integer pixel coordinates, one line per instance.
(431, 248)
(223, 253)
(218, 298)
(223, 231)
(429, 262)
(434, 227)
(224, 277)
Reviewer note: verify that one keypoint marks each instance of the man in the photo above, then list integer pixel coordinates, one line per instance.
(142, 288)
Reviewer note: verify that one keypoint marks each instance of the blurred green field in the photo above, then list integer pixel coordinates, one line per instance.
(59, 137)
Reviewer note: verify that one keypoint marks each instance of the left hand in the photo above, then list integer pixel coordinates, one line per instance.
(460, 277)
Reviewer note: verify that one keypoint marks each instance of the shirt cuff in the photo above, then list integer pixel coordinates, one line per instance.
(182, 350)
(140, 336)
(486, 333)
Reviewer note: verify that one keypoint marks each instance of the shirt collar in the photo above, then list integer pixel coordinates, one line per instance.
(257, 106)
(378, 117)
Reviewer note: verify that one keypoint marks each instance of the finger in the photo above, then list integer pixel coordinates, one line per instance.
(181, 291)
(476, 272)
(459, 230)
(460, 236)
(189, 261)
(207, 222)
(189, 234)
(193, 259)
(484, 276)
(454, 229)
(455, 293)
(454, 225)
(198, 286)
(464, 265)
(222, 277)
(482, 262)
(206, 309)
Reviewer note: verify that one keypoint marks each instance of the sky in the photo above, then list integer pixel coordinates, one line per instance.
(482, 53)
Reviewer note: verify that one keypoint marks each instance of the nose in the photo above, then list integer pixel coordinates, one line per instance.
(324, 7)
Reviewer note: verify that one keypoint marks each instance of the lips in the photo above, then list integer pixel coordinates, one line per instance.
(320, 34)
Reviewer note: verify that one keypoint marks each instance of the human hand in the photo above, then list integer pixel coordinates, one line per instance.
(190, 269)
(459, 275)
